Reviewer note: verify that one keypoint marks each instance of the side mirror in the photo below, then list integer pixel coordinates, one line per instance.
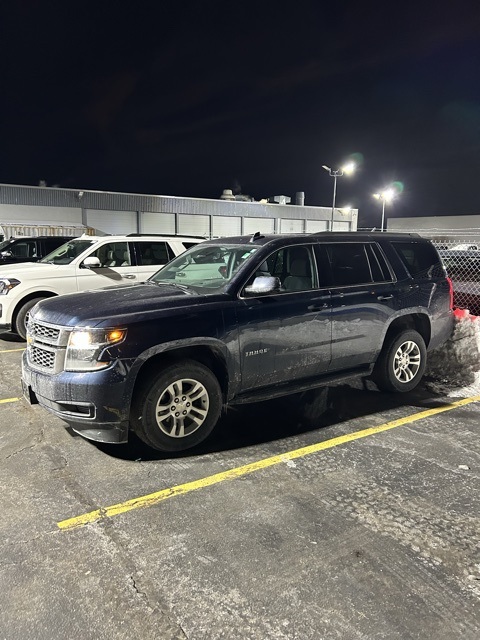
(263, 285)
(91, 263)
(6, 254)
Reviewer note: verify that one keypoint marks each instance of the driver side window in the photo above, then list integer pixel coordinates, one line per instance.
(295, 267)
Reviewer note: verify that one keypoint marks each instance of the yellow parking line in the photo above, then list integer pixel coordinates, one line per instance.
(9, 400)
(232, 474)
(11, 350)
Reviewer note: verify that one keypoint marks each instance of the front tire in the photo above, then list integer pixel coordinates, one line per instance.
(402, 362)
(179, 408)
(22, 317)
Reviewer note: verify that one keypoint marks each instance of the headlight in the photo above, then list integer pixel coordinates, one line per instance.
(6, 284)
(86, 345)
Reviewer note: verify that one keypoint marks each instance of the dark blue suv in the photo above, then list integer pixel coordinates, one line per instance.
(237, 320)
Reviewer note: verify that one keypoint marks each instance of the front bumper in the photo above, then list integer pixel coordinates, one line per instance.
(5, 314)
(95, 405)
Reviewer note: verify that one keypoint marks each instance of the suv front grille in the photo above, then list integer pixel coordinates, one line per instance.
(49, 334)
(46, 345)
(41, 357)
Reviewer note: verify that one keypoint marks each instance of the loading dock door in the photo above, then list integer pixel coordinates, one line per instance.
(224, 226)
(264, 225)
(291, 226)
(113, 222)
(314, 226)
(151, 222)
(193, 225)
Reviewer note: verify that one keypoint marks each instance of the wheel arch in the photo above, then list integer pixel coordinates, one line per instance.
(420, 322)
(209, 355)
(27, 298)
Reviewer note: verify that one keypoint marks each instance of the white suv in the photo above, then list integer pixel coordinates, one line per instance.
(87, 262)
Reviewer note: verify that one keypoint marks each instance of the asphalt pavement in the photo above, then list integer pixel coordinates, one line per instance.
(346, 514)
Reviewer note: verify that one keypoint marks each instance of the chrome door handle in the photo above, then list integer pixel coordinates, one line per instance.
(130, 276)
(384, 297)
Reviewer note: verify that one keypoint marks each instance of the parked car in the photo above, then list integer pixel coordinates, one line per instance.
(87, 262)
(463, 267)
(262, 317)
(29, 249)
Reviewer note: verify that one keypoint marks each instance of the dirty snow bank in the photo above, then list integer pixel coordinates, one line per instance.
(454, 368)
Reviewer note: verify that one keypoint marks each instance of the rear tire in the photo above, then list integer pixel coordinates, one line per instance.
(178, 408)
(401, 363)
(22, 317)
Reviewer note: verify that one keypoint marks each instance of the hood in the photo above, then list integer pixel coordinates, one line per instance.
(16, 260)
(114, 305)
(29, 269)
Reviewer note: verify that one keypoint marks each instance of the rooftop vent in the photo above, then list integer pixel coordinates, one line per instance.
(227, 195)
(282, 199)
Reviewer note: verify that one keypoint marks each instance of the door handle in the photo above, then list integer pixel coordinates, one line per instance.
(130, 276)
(384, 297)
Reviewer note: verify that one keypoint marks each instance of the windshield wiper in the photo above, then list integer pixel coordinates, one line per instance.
(183, 287)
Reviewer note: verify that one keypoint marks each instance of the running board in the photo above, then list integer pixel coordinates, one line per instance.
(287, 388)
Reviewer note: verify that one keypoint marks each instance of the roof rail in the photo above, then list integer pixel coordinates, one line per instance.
(164, 235)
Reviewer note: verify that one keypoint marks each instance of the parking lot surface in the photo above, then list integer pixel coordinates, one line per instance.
(349, 514)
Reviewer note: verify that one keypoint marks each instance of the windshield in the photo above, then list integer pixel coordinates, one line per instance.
(66, 253)
(4, 244)
(205, 266)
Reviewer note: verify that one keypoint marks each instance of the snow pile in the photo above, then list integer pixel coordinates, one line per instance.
(454, 368)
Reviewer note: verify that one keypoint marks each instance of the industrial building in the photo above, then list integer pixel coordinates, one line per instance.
(39, 209)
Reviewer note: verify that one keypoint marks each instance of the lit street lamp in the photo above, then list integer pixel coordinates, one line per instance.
(387, 195)
(347, 169)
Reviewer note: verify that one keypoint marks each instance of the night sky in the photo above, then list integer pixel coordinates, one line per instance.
(189, 98)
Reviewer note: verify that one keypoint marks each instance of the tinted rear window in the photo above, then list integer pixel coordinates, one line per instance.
(153, 252)
(420, 258)
(53, 243)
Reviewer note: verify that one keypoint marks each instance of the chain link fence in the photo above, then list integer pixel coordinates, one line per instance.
(455, 368)
(460, 252)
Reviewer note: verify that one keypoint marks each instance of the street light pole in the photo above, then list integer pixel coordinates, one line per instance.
(387, 195)
(335, 175)
(338, 173)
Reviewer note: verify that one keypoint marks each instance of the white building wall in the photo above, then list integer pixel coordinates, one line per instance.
(111, 212)
(38, 215)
